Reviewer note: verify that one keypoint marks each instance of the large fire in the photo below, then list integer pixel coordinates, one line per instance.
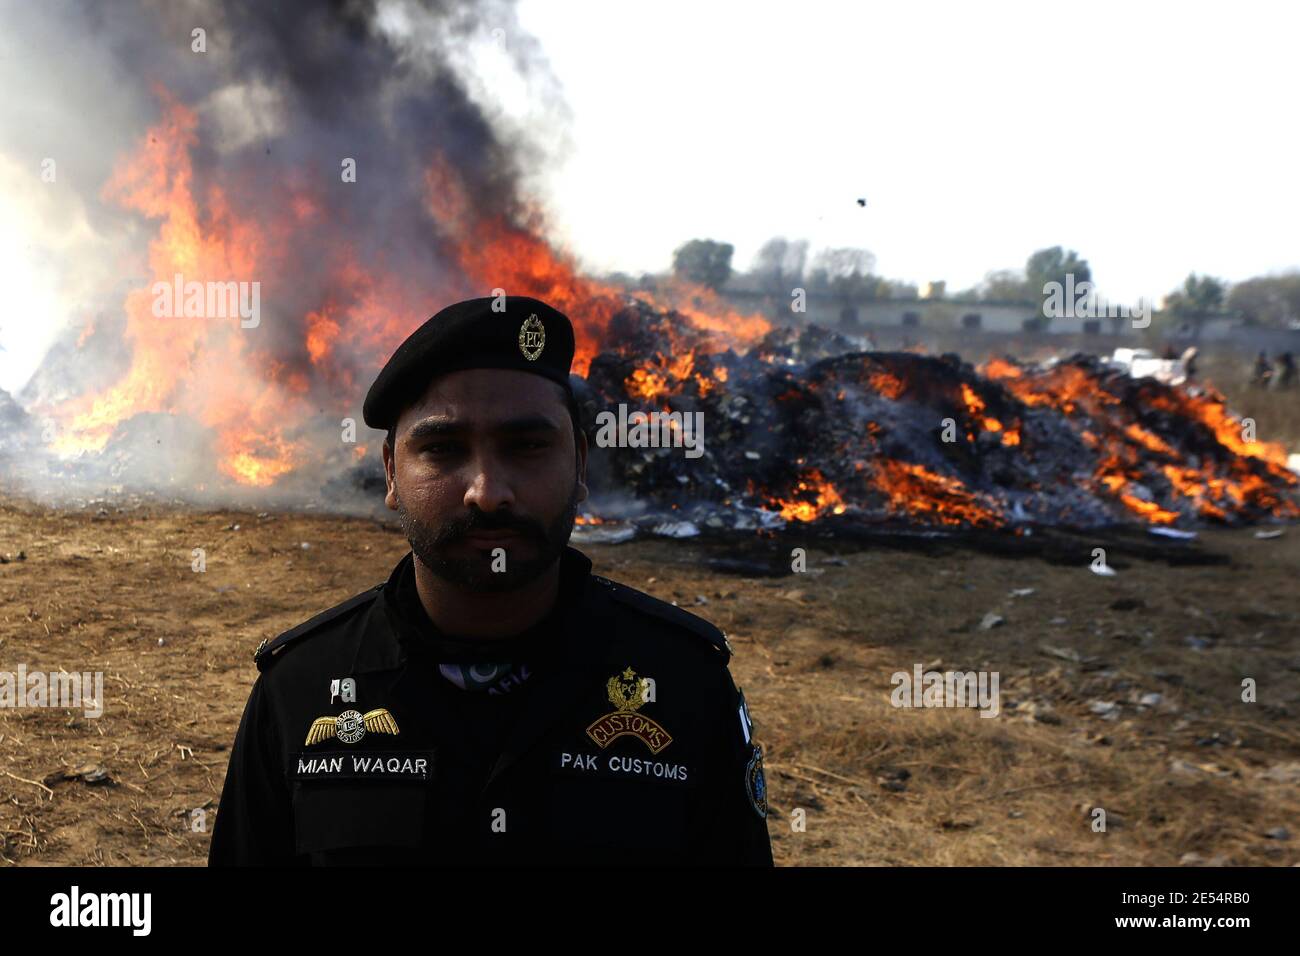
(1115, 426)
(167, 353)
(213, 371)
(254, 391)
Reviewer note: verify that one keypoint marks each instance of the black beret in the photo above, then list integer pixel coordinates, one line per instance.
(527, 335)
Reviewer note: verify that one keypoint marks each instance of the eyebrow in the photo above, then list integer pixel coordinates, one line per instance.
(443, 427)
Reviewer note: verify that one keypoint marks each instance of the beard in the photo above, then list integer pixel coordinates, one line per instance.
(435, 546)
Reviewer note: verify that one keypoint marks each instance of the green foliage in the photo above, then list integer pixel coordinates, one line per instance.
(1205, 293)
(779, 265)
(1198, 299)
(704, 262)
(1270, 301)
(845, 273)
(1006, 285)
(1015, 285)
(1053, 265)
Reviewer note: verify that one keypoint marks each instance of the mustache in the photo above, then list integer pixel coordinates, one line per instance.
(476, 520)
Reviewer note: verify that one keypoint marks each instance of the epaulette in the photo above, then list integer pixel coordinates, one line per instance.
(268, 648)
(668, 612)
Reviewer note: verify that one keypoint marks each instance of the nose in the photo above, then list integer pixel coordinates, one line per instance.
(489, 489)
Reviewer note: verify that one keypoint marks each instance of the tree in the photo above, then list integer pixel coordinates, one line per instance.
(1053, 265)
(779, 265)
(844, 273)
(844, 263)
(895, 289)
(1196, 301)
(1270, 301)
(1006, 285)
(704, 262)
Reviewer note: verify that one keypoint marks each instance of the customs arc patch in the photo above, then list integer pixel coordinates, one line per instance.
(627, 693)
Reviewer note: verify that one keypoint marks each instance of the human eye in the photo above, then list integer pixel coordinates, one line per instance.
(441, 448)
(531, 444)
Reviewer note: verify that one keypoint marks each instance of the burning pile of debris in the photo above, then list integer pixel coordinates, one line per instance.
(804, 427)
(785, 425)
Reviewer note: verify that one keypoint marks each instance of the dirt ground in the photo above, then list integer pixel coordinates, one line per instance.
(1193, 775)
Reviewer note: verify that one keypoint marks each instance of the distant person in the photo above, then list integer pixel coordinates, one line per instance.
(1262, 372)
(1285, 375)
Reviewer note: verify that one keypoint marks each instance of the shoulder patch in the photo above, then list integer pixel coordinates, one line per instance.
(269, 648)
(671, 613)
(756, 782)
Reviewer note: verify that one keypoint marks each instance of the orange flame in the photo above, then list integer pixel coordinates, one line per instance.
(202, 242)
(917, 492)
(219, 374)
(825, 500)
(975, 405)
(1204, 485)
(495, 254)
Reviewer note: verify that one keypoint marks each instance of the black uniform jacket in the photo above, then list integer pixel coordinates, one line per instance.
(628, 743)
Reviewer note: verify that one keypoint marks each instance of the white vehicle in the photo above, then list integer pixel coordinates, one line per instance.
(1143, 363)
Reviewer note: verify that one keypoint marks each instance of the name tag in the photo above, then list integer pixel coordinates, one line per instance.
(607, 766)
(372, 765)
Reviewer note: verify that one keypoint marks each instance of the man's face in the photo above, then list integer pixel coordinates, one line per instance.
(485, 460)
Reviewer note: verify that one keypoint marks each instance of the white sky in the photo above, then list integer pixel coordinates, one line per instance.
(1154, 138)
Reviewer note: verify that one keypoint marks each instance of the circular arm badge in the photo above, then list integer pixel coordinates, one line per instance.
(756, 783)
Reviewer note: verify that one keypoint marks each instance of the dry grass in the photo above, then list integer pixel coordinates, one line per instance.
(1276, 413)
(814, 653)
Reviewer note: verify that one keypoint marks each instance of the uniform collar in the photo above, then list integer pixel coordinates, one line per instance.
(584, 620)
(381, 646)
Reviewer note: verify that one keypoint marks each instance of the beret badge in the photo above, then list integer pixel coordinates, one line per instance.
(532, 338)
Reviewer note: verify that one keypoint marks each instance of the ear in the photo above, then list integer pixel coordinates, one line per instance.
(390, 475)
(581, 439)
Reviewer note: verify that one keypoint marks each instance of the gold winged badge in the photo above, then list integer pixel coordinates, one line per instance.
(350, 726)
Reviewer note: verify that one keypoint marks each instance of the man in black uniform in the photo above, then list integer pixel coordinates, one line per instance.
(493, 702)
